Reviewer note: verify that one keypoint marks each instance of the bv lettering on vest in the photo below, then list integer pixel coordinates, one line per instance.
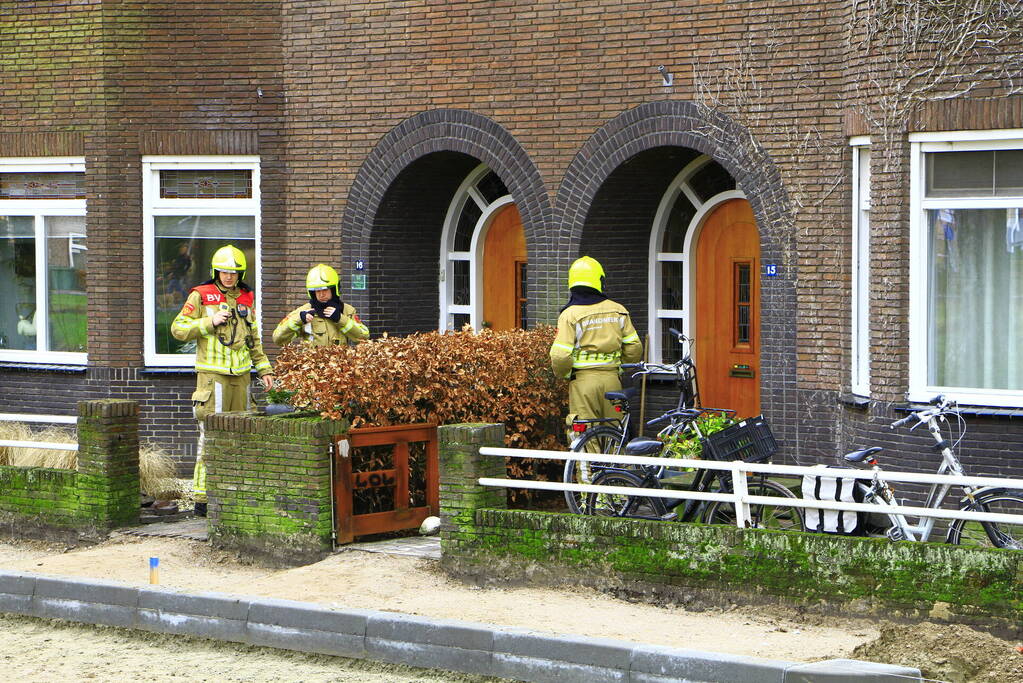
(211, 295)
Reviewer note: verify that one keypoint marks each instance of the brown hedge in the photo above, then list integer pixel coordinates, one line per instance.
(445, 378)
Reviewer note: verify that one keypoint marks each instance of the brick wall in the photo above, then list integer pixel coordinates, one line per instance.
(103, 493)
(365, 116)
(269, 486)
(660, 561)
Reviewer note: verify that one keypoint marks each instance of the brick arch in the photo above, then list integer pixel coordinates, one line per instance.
(671, 124)
(636, 136)
(432, 134)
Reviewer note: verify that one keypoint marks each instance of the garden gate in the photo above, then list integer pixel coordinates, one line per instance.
(384, 479)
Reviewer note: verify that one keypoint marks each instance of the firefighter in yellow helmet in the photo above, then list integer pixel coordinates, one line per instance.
(325, 320)
(220, 317)
(595, 336)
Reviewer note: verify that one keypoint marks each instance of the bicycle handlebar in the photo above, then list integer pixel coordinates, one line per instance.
(941, 405)
(688, 413)
(905, 420)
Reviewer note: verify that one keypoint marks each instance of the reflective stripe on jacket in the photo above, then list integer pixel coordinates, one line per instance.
(597, 336)
(321, 331)
(234, 348)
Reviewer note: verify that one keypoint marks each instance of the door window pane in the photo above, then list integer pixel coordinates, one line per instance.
(742, 303)
(184, 249)
(491, 187)
(682, 212)
(17, 283)
(460, 283)
(671, 349)
(467, 220)
(66, 258)
(672, 285)
(710, 180)
(975, 298)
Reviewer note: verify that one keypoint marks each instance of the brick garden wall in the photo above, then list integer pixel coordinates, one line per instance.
(102, 494)
(269, 485)
(657, 561)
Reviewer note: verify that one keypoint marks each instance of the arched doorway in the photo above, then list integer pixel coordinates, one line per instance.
(727, 321)
(484, 257)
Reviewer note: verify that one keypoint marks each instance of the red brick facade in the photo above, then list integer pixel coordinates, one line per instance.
(367, 115)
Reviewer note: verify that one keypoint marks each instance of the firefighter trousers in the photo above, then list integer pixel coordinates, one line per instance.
(214, 393)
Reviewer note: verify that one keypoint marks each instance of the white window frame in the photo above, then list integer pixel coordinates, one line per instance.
(920, 144)
(40, 209)
(679, 184)
(466, 192)
(860, 294)
(153, 205)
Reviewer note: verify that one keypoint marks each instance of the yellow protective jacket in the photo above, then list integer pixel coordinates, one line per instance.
(233, 348)
(596, 336)
(321, 331)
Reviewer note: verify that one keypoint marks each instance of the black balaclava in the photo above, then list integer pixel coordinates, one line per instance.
(320, 306)
(583, 296)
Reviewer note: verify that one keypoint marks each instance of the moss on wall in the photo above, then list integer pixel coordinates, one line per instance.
(664, 560)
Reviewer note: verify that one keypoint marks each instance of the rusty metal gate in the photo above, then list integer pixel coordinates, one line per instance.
(384, 479)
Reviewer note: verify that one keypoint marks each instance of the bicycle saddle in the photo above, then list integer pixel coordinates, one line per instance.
(864, 456)
(643, 446)
(623, 395)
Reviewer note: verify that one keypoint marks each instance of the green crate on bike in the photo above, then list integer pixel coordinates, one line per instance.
(750, 440)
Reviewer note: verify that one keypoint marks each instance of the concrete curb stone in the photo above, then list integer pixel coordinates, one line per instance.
(406, 639)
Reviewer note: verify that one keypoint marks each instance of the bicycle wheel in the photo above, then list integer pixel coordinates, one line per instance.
(602, 439)
(621, 505)
(784, 517)
(991, 534)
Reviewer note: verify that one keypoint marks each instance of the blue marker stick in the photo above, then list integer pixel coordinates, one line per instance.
(154, 570)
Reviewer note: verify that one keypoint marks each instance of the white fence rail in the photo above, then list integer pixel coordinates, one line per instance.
(740, 496)
(46, 445)
(43, 419)
(39, 419)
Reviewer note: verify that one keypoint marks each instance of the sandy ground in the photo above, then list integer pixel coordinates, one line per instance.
(33, 650)
(417, 586)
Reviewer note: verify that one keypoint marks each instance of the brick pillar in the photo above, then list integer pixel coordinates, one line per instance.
(108, 463)
(268, 483)
(461, 465)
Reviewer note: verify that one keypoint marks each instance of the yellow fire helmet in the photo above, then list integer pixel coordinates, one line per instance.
(228, 258)
(586, 272)
(322, 277)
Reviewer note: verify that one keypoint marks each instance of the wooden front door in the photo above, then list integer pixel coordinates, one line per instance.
(727, 321)
(504, 270)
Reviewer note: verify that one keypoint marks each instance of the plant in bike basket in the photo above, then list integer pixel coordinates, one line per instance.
(689, 443)
(750, 440)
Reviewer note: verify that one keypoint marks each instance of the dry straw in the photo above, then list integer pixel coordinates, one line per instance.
(156, 468)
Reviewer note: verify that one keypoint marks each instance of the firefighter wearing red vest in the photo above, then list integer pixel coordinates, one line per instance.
(325, 320)
(219, 316)
(595, 336)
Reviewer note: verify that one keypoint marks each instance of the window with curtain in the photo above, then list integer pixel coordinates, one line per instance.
(43, 261)
(971, 237)
(192, 207)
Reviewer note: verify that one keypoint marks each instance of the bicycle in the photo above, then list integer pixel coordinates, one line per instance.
(979, 499)
(750, 440)
(610, 435)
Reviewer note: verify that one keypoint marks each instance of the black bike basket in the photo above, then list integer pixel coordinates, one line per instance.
(750, 440)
